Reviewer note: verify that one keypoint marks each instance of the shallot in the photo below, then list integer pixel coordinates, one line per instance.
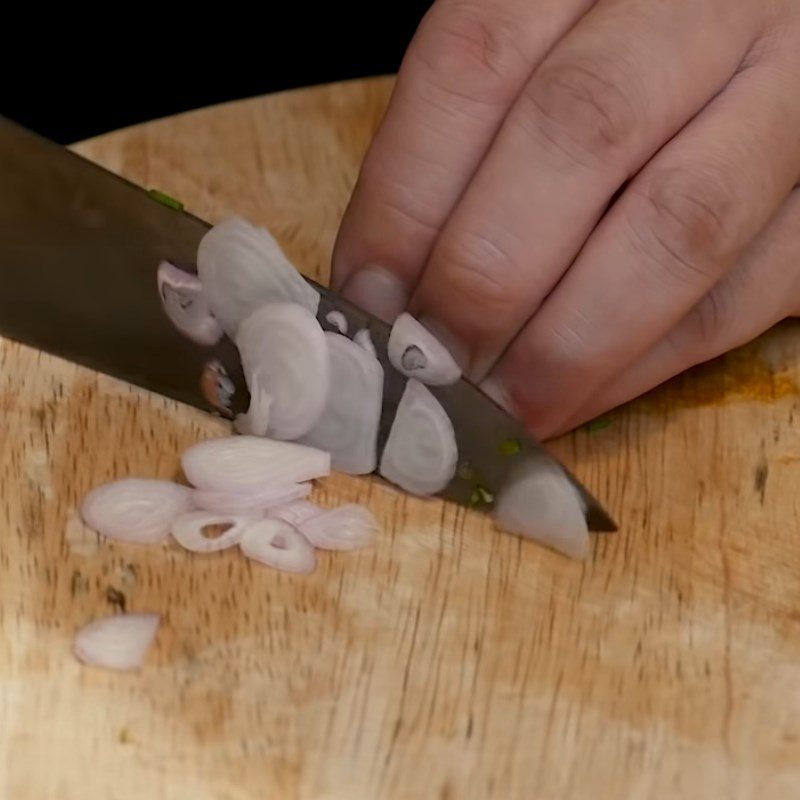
(135, 509)
(417, 353)
(284, 354)
(295, 513)
(337, 319)
(363, 338)
(420, 455)
(118, 643)
(347, 527)
(541, 503)
(260, 501)
(188, 529)
(348, 428)
(246, 464)
(278, 544)
(186, 305)
(255, 421)
(242, 268)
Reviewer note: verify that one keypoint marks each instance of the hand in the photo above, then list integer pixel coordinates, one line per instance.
(585, 197)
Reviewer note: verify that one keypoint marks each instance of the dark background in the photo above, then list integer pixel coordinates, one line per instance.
(69, 77)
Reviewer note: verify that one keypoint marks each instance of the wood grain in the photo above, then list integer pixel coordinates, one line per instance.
(448, 662)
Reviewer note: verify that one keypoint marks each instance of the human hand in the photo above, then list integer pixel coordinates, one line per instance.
(584, 198)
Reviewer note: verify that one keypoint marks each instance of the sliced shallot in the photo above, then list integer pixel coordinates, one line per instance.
(284, 353)
(420, 455)
(242, 268)
(119, 642)
(186, 305)
(541, 503)
(338, 320)
(295, 513)
(261, 501)
(246, 464)
(348, 427)
(135, 509)
(417, 353)
(348, 527)
(363, 338)
(278, 544)
(188, 530)
(255, 421)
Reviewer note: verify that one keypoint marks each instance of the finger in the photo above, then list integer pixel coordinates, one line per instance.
(760, 292)
(462, 71)
(681, 225)
(609, 95)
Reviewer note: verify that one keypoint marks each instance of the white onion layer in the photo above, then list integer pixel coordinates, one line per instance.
(246, 464)
(135, 509)
(239, 503)
(348, 527)
(348, 427)
(187, 530)
(284, 353)
(255, 421)
(278, 544)
(541, 503)
(295, 513)
(186, 305)
(363, 338)
(421, 454)
(338, 320)
(119, 642)
(242, 268)
(417, 353)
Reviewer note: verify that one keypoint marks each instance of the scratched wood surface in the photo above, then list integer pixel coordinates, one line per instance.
(448, 662)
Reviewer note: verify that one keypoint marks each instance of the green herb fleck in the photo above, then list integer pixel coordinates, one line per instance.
(123, 736)
(599, 424)
(481, 496)
(510, 447)
(165, 200)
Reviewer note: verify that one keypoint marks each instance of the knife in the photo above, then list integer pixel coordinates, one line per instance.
(79, 249)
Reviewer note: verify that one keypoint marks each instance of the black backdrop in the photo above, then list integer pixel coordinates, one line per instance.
(70, 77)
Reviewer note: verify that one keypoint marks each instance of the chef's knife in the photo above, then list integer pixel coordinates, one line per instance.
(79, 249)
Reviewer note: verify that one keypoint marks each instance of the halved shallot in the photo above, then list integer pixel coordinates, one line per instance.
(348, 427)
(246, 464)
(242, 268)
(347, 527)
(188, 529)
(186, 305)
(278, 544)
(135, 509)
(540, 503)
(241, 503)
(284, 354)
(255, 421)
(417, 353)
(295, 513)
(420, 455)
(119, 642)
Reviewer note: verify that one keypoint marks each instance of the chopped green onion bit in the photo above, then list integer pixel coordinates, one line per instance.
(165, 200)
(599, 424)
(481, 496)
(510, 447)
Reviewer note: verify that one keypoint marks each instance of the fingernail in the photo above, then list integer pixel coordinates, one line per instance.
(377, 290)
(448, 339)
(493, 387)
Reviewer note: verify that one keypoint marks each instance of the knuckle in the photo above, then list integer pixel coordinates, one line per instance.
(691, 223)
(707, 320)
(583, 108)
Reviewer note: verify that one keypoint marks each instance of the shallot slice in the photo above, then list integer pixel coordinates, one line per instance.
(284, 353)
(135, 509)
(187, 530)
(420, 455)
(540, 503)
(348, 527)
(236, 503)
(363, 338)
(338, 320)
(186, 305)
(246, 464)
(242, 268)
(278, 544)
(295, 513)
(348, 428)
(256, 421)
(417, 353)
(119, 642)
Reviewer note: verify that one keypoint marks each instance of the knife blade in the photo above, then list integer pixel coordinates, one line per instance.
(79, 249)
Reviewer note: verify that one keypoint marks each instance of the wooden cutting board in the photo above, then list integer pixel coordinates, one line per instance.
(448, 662)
